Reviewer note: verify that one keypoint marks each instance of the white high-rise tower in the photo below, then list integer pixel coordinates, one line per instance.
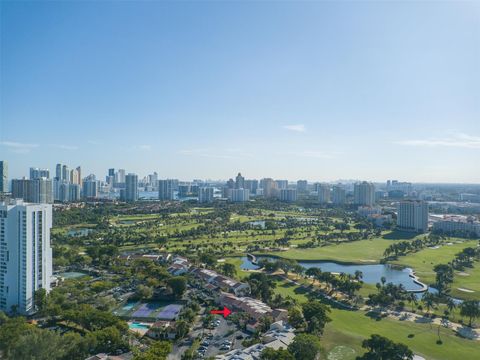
(25, 254)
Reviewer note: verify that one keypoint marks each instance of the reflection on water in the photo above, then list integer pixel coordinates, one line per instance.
(372, 273)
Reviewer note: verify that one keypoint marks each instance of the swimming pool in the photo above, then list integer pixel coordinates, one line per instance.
(136, 325)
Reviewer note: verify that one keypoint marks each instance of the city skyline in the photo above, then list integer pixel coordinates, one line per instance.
(322, 91)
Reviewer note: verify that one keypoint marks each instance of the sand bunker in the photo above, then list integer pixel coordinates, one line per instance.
(466, 290)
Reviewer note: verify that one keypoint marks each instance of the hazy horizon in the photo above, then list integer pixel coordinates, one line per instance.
(316, 91)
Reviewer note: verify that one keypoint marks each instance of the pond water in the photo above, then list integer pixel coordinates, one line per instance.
(79, 232)
(259, 223)
(372, 273)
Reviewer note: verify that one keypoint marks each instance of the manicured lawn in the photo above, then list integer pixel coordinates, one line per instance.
(362, 251)
(237, 261)
(424, 261)
(348, 328)
(471, 282)
(285, 288)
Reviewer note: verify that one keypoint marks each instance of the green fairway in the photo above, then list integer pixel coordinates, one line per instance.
(349, 328)
(424, 261)
(360, 252)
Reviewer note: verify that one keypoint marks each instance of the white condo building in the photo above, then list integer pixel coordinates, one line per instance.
(413, 215)
(288, 195)
(205, 195)
(364, 194)
(339, 195)
(25, 254)
(238, 195)
(323, 191)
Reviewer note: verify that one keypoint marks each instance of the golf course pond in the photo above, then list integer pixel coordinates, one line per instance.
(372, 273)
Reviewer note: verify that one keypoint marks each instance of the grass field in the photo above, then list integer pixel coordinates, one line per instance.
(424, 261)
(343, 336)
(359, 252)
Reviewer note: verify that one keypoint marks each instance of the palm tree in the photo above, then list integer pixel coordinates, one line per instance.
(429, 300)
(412, 299)
(470, 309)
(450, 305)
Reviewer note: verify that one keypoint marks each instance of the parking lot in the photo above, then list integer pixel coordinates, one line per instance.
(221, 339)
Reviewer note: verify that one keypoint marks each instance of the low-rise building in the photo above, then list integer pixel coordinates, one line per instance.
(379, 219)
(255, 308)
(222, 282)
(162, 330)
(457, 224)
(179, 266)
(366, 211)
(280, 335)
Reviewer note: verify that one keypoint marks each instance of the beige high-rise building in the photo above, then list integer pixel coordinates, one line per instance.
(269, 187)
(324, 193)
(364, 194)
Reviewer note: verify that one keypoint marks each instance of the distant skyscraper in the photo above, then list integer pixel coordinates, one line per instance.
(269, 187)
(34, 191)
(282, 184)
(183, 190)
(79, 172)
(239, 195)
(65, 173)
(231, 184)
(339, 196)
(239, 182)
(111, 172)
(58, 172)
(302, 186)
(3, 176)
(90, 189)
(120, 176)
(251, 185)
(36, 173)
(323, 193)
(398, 186)
(288, 195)
(364, 194)
(153, 179)
(131, 188)
(205, 195)
(74, 193)
(25, 254)
(63, 192)
(413, 215)
(166, 189)
(194, 189)
(75, 176)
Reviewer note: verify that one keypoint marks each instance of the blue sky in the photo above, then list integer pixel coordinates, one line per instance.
(315, 90)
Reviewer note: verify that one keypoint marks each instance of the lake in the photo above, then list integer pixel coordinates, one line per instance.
(79, 232)
(372, 273)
